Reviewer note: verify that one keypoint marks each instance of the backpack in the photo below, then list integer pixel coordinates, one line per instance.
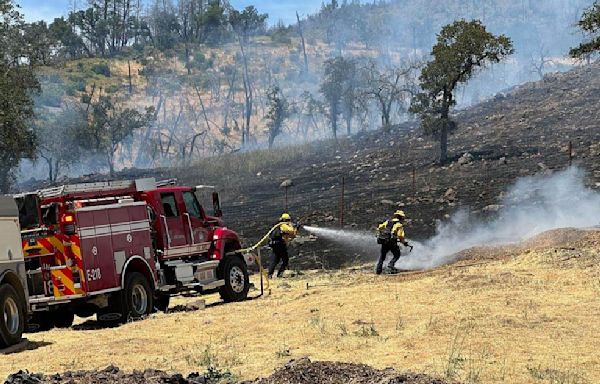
(384, 236)
(276, 237)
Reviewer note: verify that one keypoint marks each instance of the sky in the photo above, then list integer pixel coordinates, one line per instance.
(284, 10)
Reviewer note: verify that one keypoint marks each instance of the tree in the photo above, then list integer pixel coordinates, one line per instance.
(389, 87)
(278, 111)
(590, 26)
(245, 24)
(462, 47)
(56, 133)
(338, 77)
(17, 84)
(109, 125)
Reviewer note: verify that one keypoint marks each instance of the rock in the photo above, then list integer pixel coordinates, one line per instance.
(387, 202)
(284, 286)
(286, 183)
(492, 208)
(465, 159)
(329, 218)
(542, 166)
(195, 305)
(450, 194)
(259, 174)
(502, 160)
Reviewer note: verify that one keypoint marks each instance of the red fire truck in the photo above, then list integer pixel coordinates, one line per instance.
(121, 249)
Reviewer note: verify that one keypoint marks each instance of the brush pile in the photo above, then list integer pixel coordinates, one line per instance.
(301, 371)
(304, 371)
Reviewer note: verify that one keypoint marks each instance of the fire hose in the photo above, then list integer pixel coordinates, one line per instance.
(257, 247)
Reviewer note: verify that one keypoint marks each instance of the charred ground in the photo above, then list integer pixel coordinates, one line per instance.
(524, 131)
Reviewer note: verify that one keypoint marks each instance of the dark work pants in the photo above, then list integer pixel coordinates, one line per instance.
(385, 248)
(280, 254)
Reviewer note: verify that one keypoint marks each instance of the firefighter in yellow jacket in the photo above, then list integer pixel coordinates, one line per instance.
(389, 234)
(280, 238)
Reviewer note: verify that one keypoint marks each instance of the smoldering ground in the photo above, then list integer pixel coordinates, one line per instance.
(532, 205)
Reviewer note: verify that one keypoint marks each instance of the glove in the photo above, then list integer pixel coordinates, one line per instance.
(406, 244)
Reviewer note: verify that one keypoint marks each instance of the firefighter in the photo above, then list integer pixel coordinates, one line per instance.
(389, 234)
(281, 236)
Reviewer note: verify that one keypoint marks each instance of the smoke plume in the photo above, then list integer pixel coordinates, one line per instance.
(531, 206)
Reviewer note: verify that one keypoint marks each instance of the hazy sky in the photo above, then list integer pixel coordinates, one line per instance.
(277, 9)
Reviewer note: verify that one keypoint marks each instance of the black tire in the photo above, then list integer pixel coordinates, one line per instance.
(12, 316)
(138, 298)
(63, 319)
(237, 282)
(161, 302)
(41, 322)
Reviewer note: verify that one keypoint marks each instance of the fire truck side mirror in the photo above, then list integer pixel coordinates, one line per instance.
(216, 205)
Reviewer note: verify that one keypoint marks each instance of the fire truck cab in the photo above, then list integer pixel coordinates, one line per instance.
(121, 249)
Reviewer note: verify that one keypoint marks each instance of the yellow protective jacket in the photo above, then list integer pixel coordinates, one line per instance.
(397, 229)
(288, 231)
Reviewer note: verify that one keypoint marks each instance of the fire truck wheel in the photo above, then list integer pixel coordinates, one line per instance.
(12, 318)
(63, 319)
(40, 321)
(237, 282)
(138, 297)
(161, 302)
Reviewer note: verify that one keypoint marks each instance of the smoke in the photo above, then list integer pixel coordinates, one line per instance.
(531, 206)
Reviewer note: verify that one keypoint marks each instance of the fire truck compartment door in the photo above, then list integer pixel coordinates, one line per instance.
(96, 243)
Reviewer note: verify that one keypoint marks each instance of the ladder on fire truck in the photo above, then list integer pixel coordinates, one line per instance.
(120, 186)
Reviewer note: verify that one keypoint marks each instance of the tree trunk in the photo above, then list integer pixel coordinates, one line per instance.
(110, 158)
(129, 75)
(50, 169)
(349, 125)
(334, 116)
(56, 169)
(444, 142)
(301, 32)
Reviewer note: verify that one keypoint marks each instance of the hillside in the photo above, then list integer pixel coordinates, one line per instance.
(525, 313)
(517, 134)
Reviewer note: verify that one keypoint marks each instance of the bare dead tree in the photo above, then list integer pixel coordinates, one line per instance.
(301, 33)
(390, 86)
(538, 62)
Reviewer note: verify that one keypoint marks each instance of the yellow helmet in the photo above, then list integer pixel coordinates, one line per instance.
(285, 217)
(400, 213)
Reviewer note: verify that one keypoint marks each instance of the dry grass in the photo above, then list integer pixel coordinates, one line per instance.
(515, 320)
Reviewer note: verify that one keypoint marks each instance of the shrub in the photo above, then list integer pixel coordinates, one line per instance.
(101, 69)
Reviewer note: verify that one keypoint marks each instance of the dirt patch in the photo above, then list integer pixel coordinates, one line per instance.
(303, 371)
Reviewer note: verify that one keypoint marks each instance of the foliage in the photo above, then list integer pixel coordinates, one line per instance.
(17, 83)
(57, 132)
(277, 113)
(248, 22)
(462, 47)
(338, 79)
(101, 69)
(389, 87)
(109, 125)
(590, 26)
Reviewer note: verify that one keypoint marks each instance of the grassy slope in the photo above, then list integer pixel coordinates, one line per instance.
(527, 314)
